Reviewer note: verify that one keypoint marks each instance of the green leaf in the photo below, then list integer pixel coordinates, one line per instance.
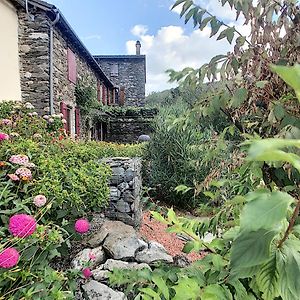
(240, 290)
(216, 292)
(261, 84)
(151, 293)
(250, 249)
(157, 216)
(215, 26)
(267, 279)
(291, 75)
(187, 288)
(204, 22)
(186, 6)
(177, 3)
(227, 33)
(172, 216)
(279, 111)
(239, 97)
(264, 210)
(289, 270)
(161, 284)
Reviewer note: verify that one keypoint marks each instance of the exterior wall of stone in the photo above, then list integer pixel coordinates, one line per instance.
(127, 130)
(125, 190)
(10, 87)
(34, 59)
(131, 75)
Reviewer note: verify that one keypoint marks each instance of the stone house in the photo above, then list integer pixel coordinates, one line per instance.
(42, 61)
(46, 60)
(128, 72)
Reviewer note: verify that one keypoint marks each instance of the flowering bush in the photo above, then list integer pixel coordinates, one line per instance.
(48, 185)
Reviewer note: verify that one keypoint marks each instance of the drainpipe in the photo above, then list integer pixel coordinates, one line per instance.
(51, 69)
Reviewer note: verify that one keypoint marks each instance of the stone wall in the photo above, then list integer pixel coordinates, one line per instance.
(34, 59)
(125, 190)
(131, 75)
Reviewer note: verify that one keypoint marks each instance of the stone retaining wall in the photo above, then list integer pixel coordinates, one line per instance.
(125, 190)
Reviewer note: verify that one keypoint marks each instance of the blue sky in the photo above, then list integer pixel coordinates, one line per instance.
(112, 27)
(105, 26)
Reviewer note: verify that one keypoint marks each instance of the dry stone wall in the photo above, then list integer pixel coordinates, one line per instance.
(125, 190)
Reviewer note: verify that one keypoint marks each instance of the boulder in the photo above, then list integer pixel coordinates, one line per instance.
(111, 264)
(155, 252)
(95, 256)
(94, 290)
(111, 228)
(123, 247)
(100, 275)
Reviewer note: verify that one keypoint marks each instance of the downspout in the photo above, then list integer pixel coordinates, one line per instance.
(51, 69)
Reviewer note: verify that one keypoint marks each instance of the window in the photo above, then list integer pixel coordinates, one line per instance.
(72, 69)
(68, 119)
(114, 70)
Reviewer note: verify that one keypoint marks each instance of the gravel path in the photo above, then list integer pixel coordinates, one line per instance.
(153, 230)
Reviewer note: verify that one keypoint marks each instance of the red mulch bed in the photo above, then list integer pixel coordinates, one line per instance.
(153, 230)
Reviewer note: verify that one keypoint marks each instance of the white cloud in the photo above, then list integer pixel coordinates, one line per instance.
(139, 30)
(172, 48)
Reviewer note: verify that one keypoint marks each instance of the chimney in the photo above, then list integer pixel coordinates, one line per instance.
(138, 47)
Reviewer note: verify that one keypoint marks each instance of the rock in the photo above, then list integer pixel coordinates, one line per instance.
(153, 253)
(111, 264)
(128, 197)
(112, 228)
(129, 175)
(122, 206)
(121, 247)
(144, 138)
(100, 275)
(94, 256)
(114, 194)
(94, 290)
(118, 175)
(123, 186)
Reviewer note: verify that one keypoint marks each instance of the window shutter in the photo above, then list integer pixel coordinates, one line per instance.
(77, 121)
(99, 91)
(63, 110)
(72, 72)
(103, 94)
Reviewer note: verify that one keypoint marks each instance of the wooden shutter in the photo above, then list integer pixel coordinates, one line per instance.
(99, 91)
(63, 110)
(77, 121)
(103, 94)
(72, 70)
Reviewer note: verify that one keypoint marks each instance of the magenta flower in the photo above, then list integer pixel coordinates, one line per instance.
(9, 258)
(22, 225)
(87, 273)
(3, 136)
(82, 226)
(19, 159)
(39, 200)
(92, 256)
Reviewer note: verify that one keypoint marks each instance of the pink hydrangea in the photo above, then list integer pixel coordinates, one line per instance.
(3, 136)
(24, 173)
(92, 256)
(19, 159)
(22, 225)
(87, 273)
(13, 177)
(46, 117)
(39, 200)
(5, 122)
(82, 226)
(9, 258)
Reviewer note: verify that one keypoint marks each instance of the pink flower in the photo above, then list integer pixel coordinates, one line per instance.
(82, 226)
(22, 225)
(13, 177)
(5, 122)
(64, 121)
(46, 117)
(87, 273)
(39, 200)
(51, 120)
(9, 258)
(92, 256)
(3, 136)
(19, 159)
(24, 173)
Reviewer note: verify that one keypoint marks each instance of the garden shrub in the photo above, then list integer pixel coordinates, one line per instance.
(183, 155)
(51, 180)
